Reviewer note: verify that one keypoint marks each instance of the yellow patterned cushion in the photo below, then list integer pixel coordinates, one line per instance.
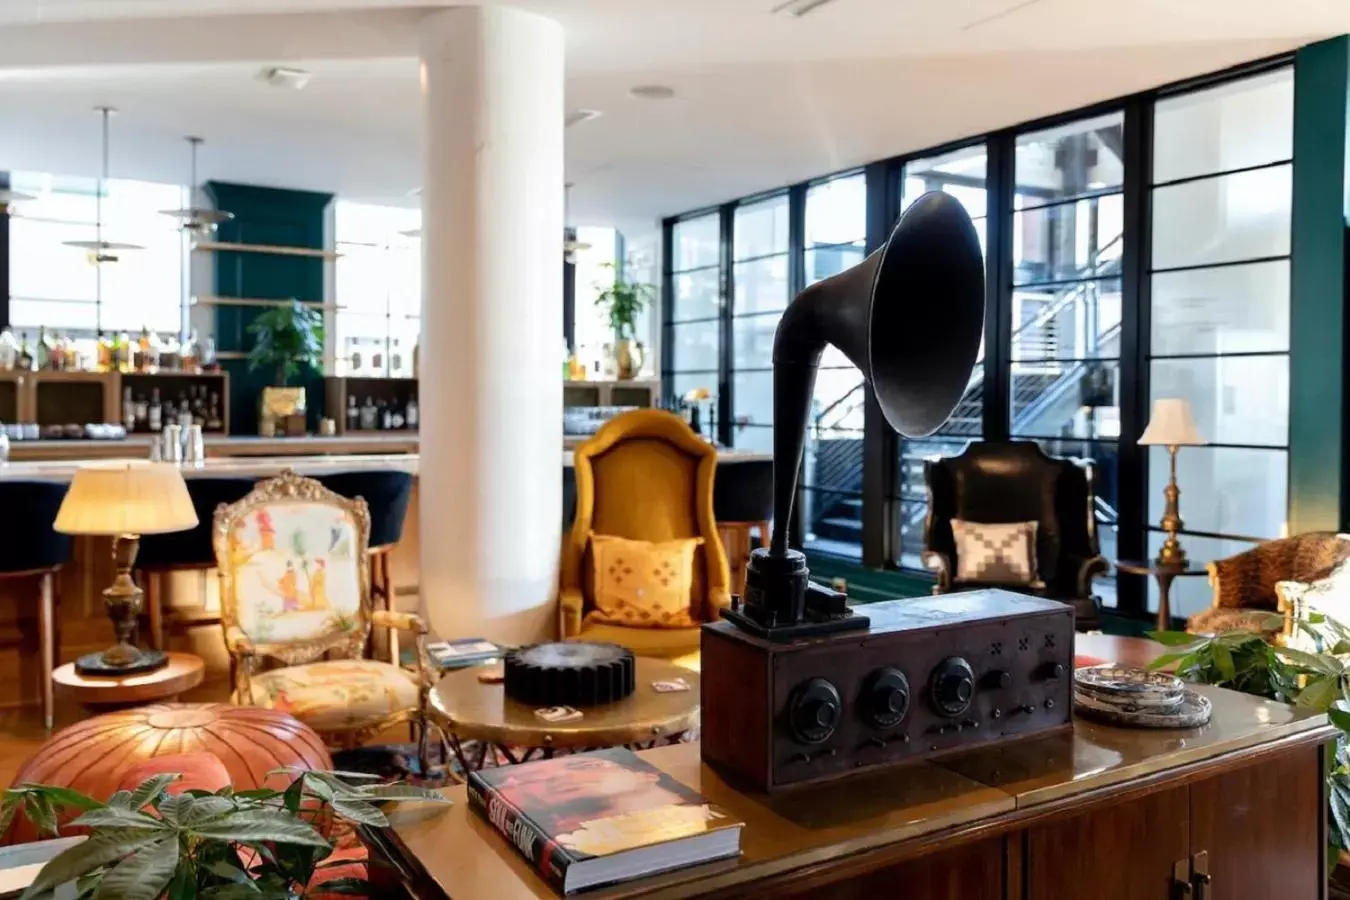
(641, 584)
(337, 695)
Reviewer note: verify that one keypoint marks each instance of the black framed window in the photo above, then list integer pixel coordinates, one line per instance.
(830, 497)
(760, 293)
(693, 331)
(1221, 201)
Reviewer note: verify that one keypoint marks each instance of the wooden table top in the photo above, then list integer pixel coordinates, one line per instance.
(468, 861)
(475, 710)
(183, 673)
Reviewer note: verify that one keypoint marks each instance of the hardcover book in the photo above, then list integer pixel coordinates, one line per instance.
(463, 653)
(600, 818)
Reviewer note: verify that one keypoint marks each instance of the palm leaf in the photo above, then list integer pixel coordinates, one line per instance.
(100, 850)
(151, 788)
(143, 875)
(257, 825)
(360, 812)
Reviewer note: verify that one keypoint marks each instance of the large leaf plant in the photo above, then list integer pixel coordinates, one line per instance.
(148, 844)
(287, 338)
(1316, 678)
(622, 301)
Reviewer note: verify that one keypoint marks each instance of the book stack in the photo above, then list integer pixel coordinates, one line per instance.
(461, 654)
(599, 818)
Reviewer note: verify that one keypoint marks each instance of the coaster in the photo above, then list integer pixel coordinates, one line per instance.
(1193, 711)
(556, 714)
(1131, 680)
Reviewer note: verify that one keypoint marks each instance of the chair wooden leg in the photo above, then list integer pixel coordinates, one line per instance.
(47, 644)
(153, 604)
(387, 579)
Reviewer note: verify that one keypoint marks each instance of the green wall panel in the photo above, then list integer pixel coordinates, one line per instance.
(1317, 482)
(276, 217)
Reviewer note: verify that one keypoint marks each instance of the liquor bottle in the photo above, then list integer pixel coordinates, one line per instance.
(142, 413)
(103, 353)
(213, 420)
(191, 353)
(171, 354)
(368, 413)
(128, 410)
(353, 414)
(9, 350)
(57, 355)
(412, 412)
(395, 417)
(396, 362)
(207, 359)
(377, 362)
(44, 349)
(25, 354)
(140, 351)
(184, 411)
(155, 416)
(154, 348)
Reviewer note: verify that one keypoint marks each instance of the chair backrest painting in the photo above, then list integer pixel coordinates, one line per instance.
(292, 566)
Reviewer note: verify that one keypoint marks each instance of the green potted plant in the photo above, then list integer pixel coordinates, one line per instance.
(287, 338)
(622, 301)
(149, 844)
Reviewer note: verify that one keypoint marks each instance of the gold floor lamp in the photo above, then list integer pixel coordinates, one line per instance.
(1173, 427)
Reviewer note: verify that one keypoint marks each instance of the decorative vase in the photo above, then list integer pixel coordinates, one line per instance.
(277, 409)
(628, 356)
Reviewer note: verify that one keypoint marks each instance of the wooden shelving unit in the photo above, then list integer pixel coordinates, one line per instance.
(273, 249)
(635, 392)
(211, 300)
(336, 390)
(82, 398)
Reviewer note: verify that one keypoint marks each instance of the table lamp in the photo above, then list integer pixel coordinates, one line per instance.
(1173, 427)
(125, 500)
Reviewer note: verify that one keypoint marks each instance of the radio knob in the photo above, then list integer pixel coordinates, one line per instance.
(885, 698)
(952, 686)
(997, 678)
(814, 710)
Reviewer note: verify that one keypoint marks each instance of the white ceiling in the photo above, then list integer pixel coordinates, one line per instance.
(761, 101)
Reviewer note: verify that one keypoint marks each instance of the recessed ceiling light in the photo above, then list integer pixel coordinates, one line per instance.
(799, 8)
(285, 77)
(651, 92)
(578, 116)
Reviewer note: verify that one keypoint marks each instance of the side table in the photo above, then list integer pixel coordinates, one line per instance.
(183, 672)
(1164, 575)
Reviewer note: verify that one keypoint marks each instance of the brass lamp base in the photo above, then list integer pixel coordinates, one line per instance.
(124, 600)
(1170, 554)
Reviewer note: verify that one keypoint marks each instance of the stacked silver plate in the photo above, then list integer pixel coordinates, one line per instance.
(1132, 697)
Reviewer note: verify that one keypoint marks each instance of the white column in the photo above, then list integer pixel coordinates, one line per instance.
(490, 493)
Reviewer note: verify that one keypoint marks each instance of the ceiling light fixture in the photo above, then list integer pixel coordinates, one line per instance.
(8, 197)
(198, 220)
(101, 251)
(286, 77)
(798, 8)
(651, 92)
(577, 116)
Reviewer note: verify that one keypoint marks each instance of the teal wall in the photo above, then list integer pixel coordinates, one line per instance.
(1317, 480)
(277, 217)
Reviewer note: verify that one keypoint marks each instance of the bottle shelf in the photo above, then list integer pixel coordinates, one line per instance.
(272, 249)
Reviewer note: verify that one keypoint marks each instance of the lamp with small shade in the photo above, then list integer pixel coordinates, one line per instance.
(124, 501)
(1172, 426)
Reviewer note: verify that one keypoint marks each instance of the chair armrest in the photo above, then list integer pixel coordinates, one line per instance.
(399, 620)
(1087, 568)
(570, 606)
(941, 565)
(238, 643)
(718, 600)
(243, 654)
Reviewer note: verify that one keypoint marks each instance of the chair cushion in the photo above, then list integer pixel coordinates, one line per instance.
(663, 643)
(1329, 596)
(1001, 553)
(1218, 619)
(643, 584)
(337, 695)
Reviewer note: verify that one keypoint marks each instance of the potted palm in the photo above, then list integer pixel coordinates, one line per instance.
(287, 339)
(622, 302)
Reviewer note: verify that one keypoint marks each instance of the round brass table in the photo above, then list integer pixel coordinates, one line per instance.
(183, 673)
(470, 710)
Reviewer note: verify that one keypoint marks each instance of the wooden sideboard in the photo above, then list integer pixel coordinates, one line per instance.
(1099, 814)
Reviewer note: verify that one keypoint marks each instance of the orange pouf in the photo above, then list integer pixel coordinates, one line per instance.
(93, 756)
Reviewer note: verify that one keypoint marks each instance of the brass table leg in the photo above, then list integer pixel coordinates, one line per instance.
(47, 645)
(1165, 579)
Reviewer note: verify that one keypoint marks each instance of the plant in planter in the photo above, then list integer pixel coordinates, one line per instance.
(286, 340)
(1317, 678)
(149, 844)
(622, 302)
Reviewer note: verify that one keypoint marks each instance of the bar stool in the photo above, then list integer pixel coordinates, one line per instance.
(185, 551)
(743, 504)
(29, 548)
(386, 492)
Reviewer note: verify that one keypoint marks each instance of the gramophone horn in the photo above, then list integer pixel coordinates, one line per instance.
(909, 317)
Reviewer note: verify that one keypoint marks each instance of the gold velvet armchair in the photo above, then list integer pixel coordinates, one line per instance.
(295, 591)
(1244, 584)
(644, 476)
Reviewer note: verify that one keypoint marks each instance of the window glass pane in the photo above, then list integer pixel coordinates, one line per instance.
(42, 267)
(752, 341)
(836, 211)
(1232, 126)
(1235, 309)
(1224, 490)
(1234, 399)
(594, 274)
(833, 519)
(1224, 219)
(1070, 400)
(1075, 321)
(960, 173)
(696, 243)
(1073, 240)
(752, 437)
(826, 261)
(1083, 157)
(696, 295)
(378, 288)
(761, 286)
(1189, 596)
(912, 492)
(695, 346)
(753, 396)
(682, 384)
(761, 228)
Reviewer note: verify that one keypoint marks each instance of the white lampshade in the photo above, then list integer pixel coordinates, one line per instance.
(1172, 425)
(126, 498)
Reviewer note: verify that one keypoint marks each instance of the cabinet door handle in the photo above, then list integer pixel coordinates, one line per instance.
(1200, 877)
(1181, 881)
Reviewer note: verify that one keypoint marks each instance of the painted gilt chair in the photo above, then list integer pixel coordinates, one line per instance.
(295, 592)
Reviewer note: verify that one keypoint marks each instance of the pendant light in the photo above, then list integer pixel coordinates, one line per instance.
(195, 219)
(8, 198)
(101, 251)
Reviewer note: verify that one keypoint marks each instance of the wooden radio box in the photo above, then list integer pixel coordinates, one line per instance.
(929, 676)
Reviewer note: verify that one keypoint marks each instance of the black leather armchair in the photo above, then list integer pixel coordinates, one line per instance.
(1015, 481)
